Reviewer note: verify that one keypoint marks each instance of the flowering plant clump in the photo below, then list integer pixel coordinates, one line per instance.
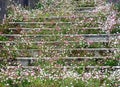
(110, 22)
(19, 76)
(111, 17)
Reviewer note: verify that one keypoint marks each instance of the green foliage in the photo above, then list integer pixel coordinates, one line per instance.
(117, 5)
(49, 2)
(116, 30)
(3, 38)
(39, 5)
(3, 27)
(82, 44)
(111, 62)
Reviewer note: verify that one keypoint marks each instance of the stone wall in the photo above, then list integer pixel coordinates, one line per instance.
(113, 1)
(3, 5)
(29, 3)
(3, 8)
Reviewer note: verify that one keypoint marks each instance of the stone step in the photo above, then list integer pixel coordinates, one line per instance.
(68, 67)
(88, 37)
(67, 13)
(61, 17)
(47, 23)
(85, 28)
(79, 49)
(84, 9)
(74, 7)
(53, 42)
(26, 61)
(63, 35)
(64, 58)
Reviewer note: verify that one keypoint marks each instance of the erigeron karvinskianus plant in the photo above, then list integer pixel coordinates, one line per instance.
(110, 22)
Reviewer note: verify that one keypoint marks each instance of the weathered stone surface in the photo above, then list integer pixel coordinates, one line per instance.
(29, 3)
(113, 1)
(4, 3)
(3, 7)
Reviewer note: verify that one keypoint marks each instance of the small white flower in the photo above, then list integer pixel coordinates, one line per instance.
(119, 37)
(8, 44)
(7, 84)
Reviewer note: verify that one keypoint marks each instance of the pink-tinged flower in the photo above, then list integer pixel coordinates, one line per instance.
(73, 16)
(26, 73)
(67, 36)
(58, 28)
(1, 32)
(91, 19)
(11, 38)
(87, 76)
(79, 36)
(32, 73)
(52, 22)
(89, 42)
(66, 42)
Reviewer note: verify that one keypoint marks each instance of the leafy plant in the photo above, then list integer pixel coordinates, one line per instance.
(111, 63)
(3, 38)
(117, 5)
(39, 5)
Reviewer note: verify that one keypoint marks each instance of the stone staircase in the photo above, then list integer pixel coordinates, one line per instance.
(68, 31)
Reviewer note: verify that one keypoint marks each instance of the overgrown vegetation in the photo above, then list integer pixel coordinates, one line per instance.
(54, 32)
